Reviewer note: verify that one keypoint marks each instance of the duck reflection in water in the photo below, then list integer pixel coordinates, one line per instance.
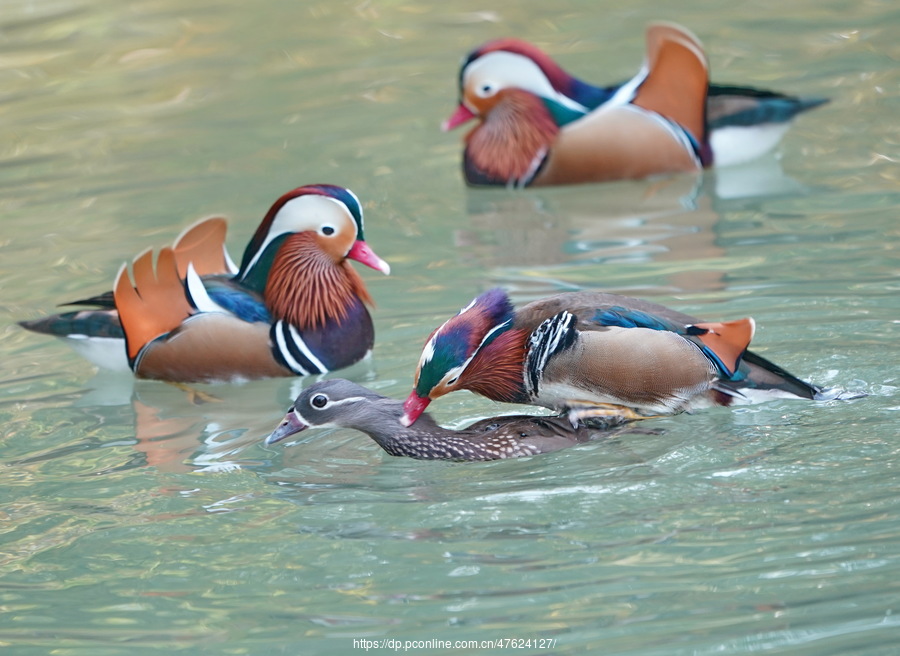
(677, 225)
(187, 429)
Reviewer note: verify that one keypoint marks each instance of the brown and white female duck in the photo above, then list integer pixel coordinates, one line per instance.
(339, 402)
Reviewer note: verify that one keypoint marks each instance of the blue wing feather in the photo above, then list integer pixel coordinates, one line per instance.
(625, 318)
(241, 302)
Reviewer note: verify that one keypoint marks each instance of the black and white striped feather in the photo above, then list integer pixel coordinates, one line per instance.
(552, 337)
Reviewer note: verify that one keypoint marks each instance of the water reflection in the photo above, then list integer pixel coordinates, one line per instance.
(672, 220)
(174, 428)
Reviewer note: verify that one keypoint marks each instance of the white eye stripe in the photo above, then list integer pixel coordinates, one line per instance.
(349, 399)
(492, 331)
(329, 402)
(455, 373)
(486, 89)
(303, 420)
(300, 214)
(468, 307)
(503, 70)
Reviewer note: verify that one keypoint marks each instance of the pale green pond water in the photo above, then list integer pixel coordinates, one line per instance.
(132, 521)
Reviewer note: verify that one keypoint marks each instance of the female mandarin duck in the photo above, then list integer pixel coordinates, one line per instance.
(294, 307)
(541, 126)
(581, 352)
(339, 402)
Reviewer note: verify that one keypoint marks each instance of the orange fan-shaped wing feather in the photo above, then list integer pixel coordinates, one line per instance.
(678, 78)
(203, 245)
(155, 305)
(728, 339)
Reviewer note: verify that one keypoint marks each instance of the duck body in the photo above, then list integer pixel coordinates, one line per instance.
(294, 306)
(339, 402)
(582, 352)
(538, 125)
(531, 134)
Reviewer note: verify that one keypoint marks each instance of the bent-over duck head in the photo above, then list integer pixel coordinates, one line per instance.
(446, 363)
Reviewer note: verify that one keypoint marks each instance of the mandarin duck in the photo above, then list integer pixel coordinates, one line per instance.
(594, 354)
(339, 402)
(538, 125)
(295, 306)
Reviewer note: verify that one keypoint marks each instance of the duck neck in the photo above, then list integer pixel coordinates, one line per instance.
(511, 143)
(425, 439)
(306, 288)
(497, 370)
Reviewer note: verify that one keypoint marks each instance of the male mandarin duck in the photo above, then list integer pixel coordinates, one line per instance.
(295, 306)
(582, 352)
(538, 125)
(339, 402)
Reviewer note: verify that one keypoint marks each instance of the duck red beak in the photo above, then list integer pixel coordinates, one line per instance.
(413, 407)
(365, 255)
(290, 425)
(460, 116)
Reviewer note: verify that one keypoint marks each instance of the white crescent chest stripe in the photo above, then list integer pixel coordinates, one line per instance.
(294, 351)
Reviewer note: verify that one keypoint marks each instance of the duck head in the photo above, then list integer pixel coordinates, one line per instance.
(522, 98)
(303, 244)
(446, 363)
(330, 215)
(335, 402)
(505, 64)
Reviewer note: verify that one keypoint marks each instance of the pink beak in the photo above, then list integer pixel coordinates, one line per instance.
(365, 255)
(413, 407)
(460, 116)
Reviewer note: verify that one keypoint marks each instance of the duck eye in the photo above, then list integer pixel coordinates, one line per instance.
(328, 231)
(487, 89)
(319, 401)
